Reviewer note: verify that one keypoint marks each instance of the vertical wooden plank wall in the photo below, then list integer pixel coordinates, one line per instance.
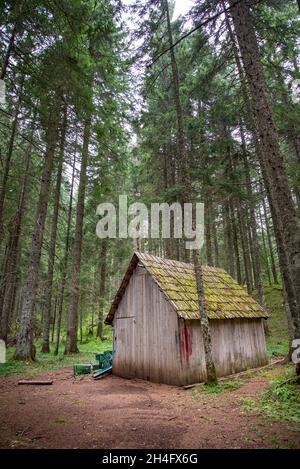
(238, 344)
(146, 333)
(153, 343)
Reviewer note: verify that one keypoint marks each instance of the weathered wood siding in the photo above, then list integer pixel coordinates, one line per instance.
(146, 333)
(152, 343)
(238, 344)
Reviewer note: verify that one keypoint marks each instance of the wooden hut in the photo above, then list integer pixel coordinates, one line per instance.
(157, 334)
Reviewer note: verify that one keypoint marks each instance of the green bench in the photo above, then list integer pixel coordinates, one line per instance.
(102, 361)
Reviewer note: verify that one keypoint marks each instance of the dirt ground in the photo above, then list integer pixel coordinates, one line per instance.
(119, 413)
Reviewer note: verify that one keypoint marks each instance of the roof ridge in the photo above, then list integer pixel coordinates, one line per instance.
(225, 298)
(142, 255)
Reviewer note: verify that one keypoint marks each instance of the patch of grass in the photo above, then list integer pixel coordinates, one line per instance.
(277, 349)
(218, 388)
(45, 361)
(277, 341)
(281, 401)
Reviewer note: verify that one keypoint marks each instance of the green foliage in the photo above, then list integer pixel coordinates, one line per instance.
(277, 341)
(78, 58)
(81, 50)
(281, 400)
(277, 348)
(48, 362)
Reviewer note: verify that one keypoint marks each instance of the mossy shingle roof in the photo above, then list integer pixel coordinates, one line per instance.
(225, 298)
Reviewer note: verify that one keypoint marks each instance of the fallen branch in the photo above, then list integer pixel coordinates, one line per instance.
(37, 383)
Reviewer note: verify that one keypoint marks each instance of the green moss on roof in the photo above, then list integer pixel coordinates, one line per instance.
(225, 298)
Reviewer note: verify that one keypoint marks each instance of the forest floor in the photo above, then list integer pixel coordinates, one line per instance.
(118, 413)
(255, 410)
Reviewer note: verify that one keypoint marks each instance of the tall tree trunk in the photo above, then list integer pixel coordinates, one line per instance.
(52, 248)
(211, 375)
(245, 241)
(186, 198)
(19, 299)
(103, 269)
(265, 248)
(81, 314)
(14, 300)
(11, 42)
(71, 342)
(273, 169)
(60, 299)
(169, 181)
(228, 239)
(268, 229)
(253, 226)
(25, 349)
(288, 357)
(207, 228)
(216, 244)
(235, 241)
(182, 155)
(282, 252)
(92, 325)
(293, 132)
(245, 246)
(54, 320)
(12, 252)
(250, 241)
(289, 291)
(8, 160)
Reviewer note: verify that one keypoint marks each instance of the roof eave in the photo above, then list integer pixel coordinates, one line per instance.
(132, 265)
